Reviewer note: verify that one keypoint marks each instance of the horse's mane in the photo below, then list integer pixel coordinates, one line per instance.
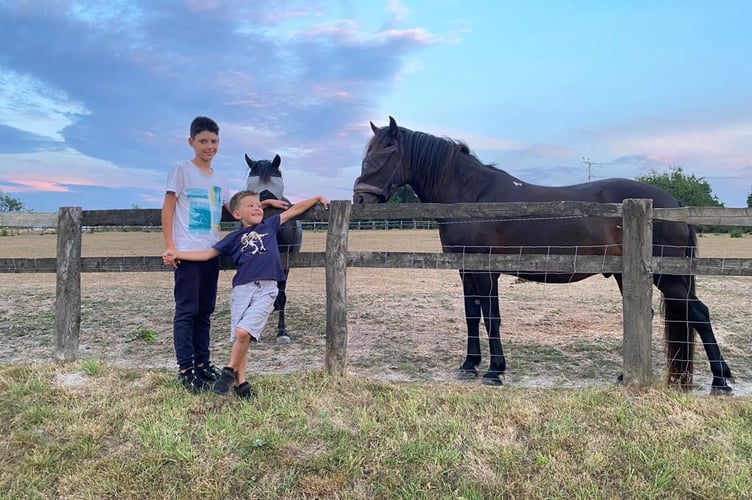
(435, 154)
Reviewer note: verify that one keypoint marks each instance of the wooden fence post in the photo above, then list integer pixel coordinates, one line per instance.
(637, 293)
(68, 289)
(336, 287)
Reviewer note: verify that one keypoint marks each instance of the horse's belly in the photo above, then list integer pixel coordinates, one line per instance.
(552, 278)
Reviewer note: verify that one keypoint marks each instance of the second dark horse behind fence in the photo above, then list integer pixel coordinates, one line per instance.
(444, 171)
(265, 178)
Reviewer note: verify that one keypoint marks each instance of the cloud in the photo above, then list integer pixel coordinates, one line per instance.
(100, 94)
(647, 160)
(725, 144)
(28, 104)
(59, 171)
(399, 12)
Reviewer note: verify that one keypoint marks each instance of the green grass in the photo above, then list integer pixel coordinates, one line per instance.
(136, 434)
(142, 333)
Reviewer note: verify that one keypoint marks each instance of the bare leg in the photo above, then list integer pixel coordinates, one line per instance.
(239, 354)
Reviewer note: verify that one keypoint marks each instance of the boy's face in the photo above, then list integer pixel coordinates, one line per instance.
(249, 212)
(205, 144)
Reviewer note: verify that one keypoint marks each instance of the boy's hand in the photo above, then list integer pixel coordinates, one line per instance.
(275, 204)
(169, 257)
(324, 202)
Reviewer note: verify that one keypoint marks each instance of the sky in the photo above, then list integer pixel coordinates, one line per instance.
(96, 97)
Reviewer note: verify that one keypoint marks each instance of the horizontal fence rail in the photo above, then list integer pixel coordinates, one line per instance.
(739, 217)
(509, 264)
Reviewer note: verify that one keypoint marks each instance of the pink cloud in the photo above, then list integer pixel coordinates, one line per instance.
(51, 182)
(53, 171)
(730, 144)
(35, 186)
(331, 92)
(419, 35)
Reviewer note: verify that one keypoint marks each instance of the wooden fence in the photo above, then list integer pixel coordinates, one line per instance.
(637, 266)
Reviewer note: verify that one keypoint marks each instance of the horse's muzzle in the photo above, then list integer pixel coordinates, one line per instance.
(364, 198)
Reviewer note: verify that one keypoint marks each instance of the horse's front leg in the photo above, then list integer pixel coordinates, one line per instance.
(492, 321)
(469, 368)
(279, 306)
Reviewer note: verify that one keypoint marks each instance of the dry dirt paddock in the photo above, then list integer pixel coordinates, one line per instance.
(404, 325)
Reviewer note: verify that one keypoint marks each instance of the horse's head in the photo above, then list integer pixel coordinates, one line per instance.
(265, 178)
(381, 173)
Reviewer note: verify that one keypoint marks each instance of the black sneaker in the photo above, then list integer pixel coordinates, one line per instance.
(190, 381)
(244, 391)
(226, 381)
(208, 374)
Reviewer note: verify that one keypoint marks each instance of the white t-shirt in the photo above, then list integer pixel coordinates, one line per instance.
(198, 212)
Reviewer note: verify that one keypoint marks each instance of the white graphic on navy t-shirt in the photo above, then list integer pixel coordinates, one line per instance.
(253, 241)
(254, 252)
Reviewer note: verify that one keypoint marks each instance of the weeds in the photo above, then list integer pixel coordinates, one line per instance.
(91, 367)
(142, 333)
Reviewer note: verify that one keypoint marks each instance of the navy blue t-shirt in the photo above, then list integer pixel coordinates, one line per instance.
(254, 251)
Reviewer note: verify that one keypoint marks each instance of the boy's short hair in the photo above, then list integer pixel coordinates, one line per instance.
(203, 124)
(238, 197)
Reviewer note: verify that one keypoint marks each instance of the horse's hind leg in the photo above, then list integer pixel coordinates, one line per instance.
(279, 306)
(686, 313)
(699, 315)
(469, 368)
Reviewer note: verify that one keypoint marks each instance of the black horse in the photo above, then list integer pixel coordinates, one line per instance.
(265, 178)
(442, 170)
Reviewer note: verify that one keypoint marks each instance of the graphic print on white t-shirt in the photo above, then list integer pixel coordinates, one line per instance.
(201, 203)
(199, 211)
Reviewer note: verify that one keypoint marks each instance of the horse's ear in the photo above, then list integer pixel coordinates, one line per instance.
(393, 126)
(276, 161)
(374, 128)
(248, 161)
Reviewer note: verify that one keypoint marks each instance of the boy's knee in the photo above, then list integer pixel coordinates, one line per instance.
(243, 335)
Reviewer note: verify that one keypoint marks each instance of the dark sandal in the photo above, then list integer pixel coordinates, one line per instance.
(225, 382)
(244, 391)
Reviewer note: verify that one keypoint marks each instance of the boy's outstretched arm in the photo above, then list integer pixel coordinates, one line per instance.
(300, 207)
(174, 256)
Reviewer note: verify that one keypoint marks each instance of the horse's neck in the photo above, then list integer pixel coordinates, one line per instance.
(466, 181)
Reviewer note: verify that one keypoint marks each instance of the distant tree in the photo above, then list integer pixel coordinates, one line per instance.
(404, 194)
(749, 200)
(691, 191)
(10, 204)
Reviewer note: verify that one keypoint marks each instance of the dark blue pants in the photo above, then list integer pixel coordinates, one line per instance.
(195, 298)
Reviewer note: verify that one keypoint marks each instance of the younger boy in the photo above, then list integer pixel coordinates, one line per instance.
(253, 249)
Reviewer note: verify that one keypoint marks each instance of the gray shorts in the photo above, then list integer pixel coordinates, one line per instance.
(251, 305)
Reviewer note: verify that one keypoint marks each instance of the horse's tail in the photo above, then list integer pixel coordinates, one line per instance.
(679, 334)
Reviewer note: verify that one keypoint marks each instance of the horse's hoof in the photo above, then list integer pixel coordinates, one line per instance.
(721, 391)
(720, 387)
(463, 374)
(283, 339)
(491, 380)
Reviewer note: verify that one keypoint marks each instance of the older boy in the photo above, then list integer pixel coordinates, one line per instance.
(191, 215)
